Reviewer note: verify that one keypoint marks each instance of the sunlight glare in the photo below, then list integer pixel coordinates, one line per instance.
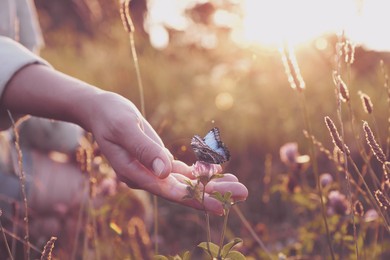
(224, 101)
(271, 23)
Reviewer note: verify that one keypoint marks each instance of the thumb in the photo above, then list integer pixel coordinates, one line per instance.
(149, 153)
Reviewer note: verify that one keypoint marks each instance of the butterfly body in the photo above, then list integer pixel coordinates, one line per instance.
(210, 149)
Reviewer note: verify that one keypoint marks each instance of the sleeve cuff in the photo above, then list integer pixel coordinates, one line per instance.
(13, 57)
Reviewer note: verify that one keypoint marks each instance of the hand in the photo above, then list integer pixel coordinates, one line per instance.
(140, 159)
(174, 187)
(133, 148)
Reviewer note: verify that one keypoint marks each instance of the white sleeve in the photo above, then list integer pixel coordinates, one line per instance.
(13, 57)
(30, 34)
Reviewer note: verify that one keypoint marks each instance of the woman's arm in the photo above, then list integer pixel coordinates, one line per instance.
(128, 141)
(45, 92)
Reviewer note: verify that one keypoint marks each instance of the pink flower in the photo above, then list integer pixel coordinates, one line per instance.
(370, 215)
(203, 169)
(338, 203)
(290, 156)
(325, 179)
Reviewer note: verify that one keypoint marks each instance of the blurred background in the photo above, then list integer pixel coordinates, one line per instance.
(217, 63)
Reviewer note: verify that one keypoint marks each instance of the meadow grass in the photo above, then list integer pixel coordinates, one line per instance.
(290, 212)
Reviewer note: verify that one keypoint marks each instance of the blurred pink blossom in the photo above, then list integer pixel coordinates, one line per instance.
(290, 156)
(338, 203)
(108, 187)
(370, 215)
(325, 179)
(204, 169)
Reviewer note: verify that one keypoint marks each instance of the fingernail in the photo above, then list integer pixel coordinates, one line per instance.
(158, 166)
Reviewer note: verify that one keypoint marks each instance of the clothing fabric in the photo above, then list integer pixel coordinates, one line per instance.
(13, 57)
(20, 37)
(18, 21)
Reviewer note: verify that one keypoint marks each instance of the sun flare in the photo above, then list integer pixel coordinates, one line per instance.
(271, 23)
(274, 22)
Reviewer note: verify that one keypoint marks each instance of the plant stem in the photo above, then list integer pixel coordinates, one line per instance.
(370, 196)
(250, 229)
(317, 176)
(225, 220)
(155, 228)
(349, 191)
(22, 179)
(6, 242)
(207, 217)
(21, 240)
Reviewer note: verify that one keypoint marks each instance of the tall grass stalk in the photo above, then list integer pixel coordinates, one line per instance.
(15, 217)
(78, 226)
(251, 231)
(386, 86)
(370, 196)
(366, 157)
(94, 228)
(87, 231)
(296, 82)
(5, 239)
(313, 155)
(21, 240)
(342, 94)
(22, 179)
(129, 28)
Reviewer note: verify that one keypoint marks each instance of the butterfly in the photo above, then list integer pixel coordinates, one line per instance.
(210, 149)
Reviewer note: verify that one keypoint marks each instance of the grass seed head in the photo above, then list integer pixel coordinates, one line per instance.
(292, 69)
(125, 16)
(341, 87)
(375, 148)
(382, 199)
(335, 136)
(349, 52)
(358, 208)
(386, 170)
(366, 102)
(48, 249)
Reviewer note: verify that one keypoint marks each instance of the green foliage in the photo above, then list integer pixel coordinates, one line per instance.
(186, 256)
(226, 252)
(182, 86)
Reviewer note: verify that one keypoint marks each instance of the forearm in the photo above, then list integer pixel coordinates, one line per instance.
(42, 91)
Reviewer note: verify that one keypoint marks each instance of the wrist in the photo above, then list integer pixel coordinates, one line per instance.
(44, 92)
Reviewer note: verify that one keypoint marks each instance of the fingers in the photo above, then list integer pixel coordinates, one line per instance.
(238, 190)
(228, 183)
(151, 154)
(210, 204)
(175, 189)
(182, 168)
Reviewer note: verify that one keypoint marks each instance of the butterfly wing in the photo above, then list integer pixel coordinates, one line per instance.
(210, 149)
(213, 140)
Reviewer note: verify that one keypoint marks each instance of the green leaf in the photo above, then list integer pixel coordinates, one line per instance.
(226, 248)
(213, 248)
(189, 183)
(176, 257)
(235, 255)
(227, 196)
(160, 257)
(218, 196)
(216, 176)
(187, 255)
